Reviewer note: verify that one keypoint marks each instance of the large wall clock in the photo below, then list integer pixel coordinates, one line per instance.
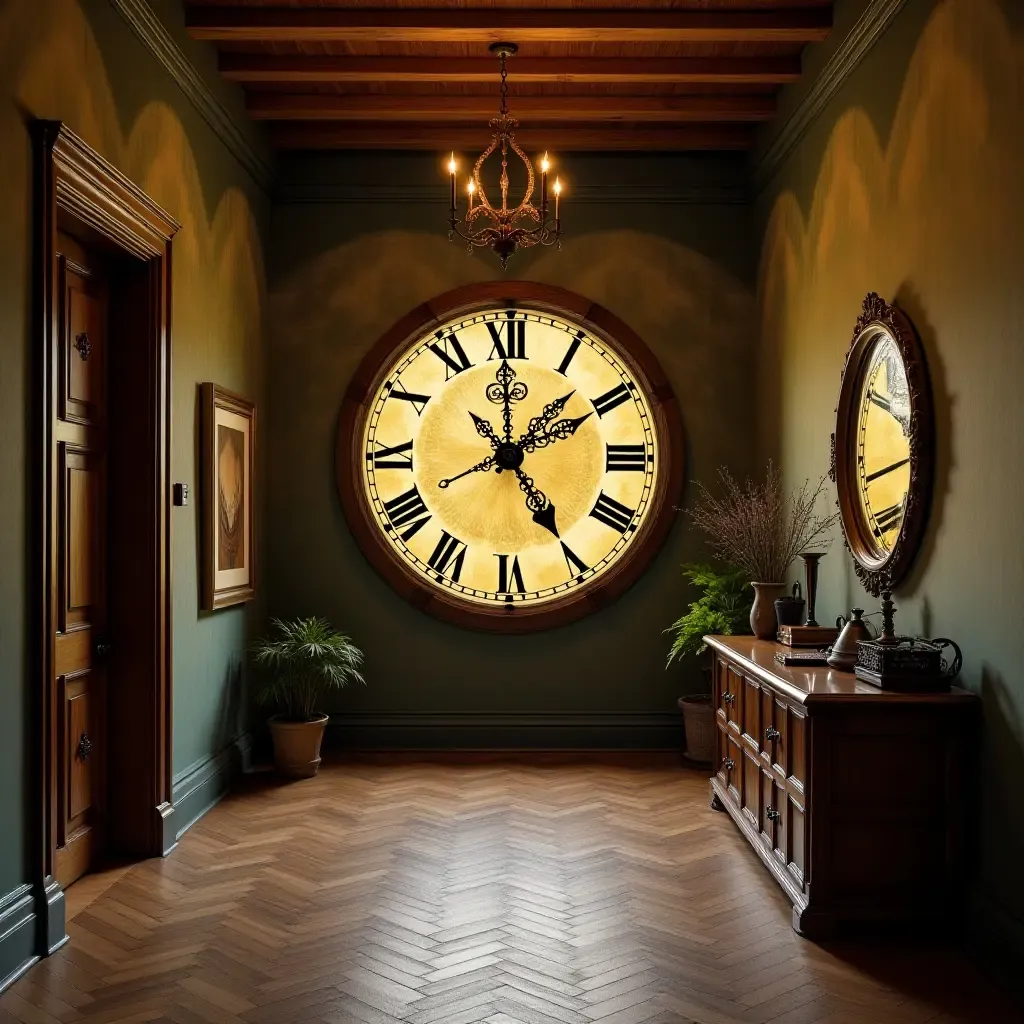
(510, 456)
(883, 447)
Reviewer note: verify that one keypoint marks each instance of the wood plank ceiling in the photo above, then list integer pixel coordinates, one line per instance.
(675, 75)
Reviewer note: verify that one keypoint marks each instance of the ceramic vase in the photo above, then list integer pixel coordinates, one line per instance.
(763, 623)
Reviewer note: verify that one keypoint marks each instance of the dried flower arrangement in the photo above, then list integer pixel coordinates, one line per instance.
(756, 528)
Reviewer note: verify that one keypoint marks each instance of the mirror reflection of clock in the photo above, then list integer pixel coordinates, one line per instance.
(883, 444)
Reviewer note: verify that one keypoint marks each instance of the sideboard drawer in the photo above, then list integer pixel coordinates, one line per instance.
(730, 694)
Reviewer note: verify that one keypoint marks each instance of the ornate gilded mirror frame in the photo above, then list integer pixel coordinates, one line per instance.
(877, 570)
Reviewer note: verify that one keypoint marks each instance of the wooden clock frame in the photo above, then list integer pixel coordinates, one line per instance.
(350, 456)
(878, 574)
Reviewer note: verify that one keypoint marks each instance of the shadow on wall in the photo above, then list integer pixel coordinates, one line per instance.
(325, 316)
(932, 218)
(64, 61)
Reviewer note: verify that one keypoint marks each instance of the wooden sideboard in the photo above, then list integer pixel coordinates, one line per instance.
(855, 799)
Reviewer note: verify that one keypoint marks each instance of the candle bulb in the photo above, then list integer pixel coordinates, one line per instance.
(558, 192)
(544, 185)
(451, 171)
(470, 189)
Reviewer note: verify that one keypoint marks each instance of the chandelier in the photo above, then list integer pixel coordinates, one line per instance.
(502, 229)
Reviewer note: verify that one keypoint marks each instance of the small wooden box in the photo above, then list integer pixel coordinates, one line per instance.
(807, 636)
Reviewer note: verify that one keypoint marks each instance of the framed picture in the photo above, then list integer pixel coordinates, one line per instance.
(226, 494)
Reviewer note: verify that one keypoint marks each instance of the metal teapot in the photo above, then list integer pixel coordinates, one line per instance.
(843, 653)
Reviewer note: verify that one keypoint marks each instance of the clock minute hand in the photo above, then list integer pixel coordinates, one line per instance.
(487, 463)
(549, 412)
(537, 502)
(558, 431)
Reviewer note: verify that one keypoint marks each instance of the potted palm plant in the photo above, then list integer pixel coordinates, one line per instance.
(301, 660)
(724, 608)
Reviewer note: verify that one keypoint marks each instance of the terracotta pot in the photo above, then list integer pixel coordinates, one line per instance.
(297, 746)
(762, 614)
(699, 725)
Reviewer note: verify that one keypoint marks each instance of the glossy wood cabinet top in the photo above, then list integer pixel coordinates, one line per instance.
(808, 685)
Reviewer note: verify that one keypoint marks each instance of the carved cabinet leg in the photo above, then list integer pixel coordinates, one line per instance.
(715, 802)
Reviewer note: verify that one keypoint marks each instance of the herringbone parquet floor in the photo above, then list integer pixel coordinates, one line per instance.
(491, 892)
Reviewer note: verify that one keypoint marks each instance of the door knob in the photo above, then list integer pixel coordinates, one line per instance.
(771, 733)
(84, 748)
(729, 764)
(773, 815)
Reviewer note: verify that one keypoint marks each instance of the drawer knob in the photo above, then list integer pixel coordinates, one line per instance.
(84, 748)
(729, 764)
(771, 733)
(729, 698)
(773, 815)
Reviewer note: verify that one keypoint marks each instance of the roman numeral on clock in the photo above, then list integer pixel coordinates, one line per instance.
(407, 511)
(451, 353)
(563, 366)
(612, 513)
(625, 458)
(887, 519)
(513, 346)
(611, 399)
(510, 577)
(417, 401)
(448, 556)
(573, 562)
(398, 457)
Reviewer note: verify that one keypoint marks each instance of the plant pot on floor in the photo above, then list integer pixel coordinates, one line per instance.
(699, 725)
(297, 746)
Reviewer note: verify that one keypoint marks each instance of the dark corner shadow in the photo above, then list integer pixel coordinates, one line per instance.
(909, 300)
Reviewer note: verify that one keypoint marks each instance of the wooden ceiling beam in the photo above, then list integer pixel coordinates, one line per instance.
(564, 139)
(487, 25)
(255, 68)
(528, 109)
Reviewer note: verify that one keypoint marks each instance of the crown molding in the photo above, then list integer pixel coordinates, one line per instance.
(867, 30)
(150, 30)
(340, 193)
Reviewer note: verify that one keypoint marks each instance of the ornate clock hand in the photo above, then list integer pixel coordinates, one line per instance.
(537, 502)
(504, 392)
(487, 463)
(555, 432)
(484, 429)
(549, 412)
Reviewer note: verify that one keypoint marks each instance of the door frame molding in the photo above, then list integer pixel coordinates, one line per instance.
(74, 185)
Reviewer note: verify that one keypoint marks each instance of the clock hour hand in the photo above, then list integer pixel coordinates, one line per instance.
(484, 429)
(558, 431)
(487, 463)
(537, 502)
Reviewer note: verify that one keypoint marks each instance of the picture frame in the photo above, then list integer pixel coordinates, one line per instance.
(227, 461)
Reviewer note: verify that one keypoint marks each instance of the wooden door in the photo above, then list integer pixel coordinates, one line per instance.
(79, 527)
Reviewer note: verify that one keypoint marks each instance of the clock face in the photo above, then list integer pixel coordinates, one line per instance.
(509, 459)
(883, 445)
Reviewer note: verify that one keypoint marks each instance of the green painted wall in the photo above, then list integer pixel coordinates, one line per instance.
(679, 273)
(80, 63)
(909, 184)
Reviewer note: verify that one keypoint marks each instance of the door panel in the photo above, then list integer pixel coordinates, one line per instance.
(82, 348)
(80, 690)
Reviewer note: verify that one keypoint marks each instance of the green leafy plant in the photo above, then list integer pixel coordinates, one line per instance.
(303, 659)
(724, 607)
